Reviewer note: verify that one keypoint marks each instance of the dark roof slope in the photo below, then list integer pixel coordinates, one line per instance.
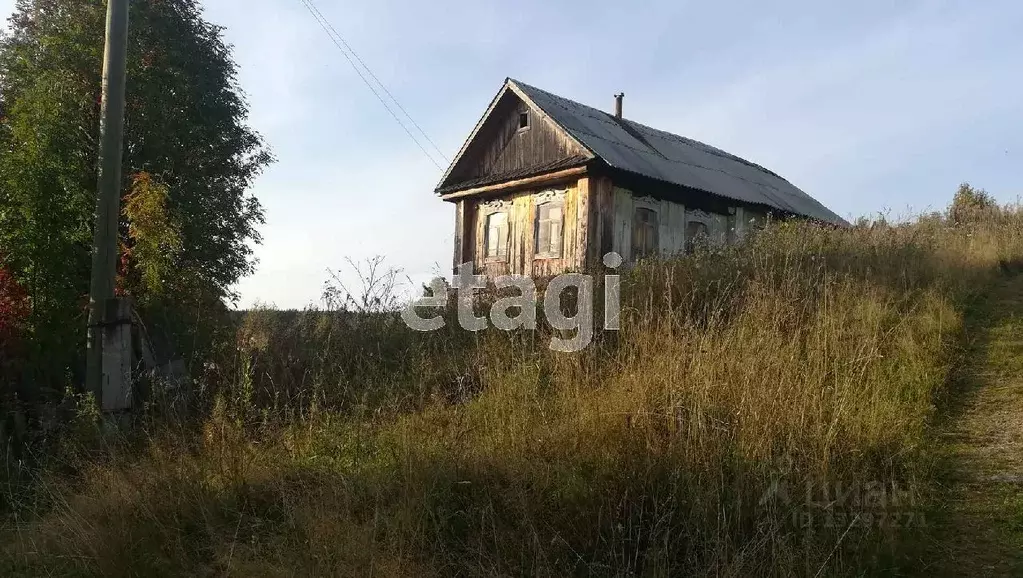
(636, 148)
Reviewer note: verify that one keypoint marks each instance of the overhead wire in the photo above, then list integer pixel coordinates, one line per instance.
(348, 53)
(378, 81)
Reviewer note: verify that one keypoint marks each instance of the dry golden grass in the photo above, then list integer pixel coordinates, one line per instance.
(810, 357)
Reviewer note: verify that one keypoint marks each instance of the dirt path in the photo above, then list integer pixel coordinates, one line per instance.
(978, 530)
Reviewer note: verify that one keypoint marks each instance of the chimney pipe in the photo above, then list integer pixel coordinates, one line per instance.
(618, 104)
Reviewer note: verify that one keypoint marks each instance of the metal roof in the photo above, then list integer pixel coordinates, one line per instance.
(636, 148)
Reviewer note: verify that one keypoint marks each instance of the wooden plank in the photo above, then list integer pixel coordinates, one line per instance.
(524, 231)
(623, 210)
(457, 162)
(603, 215)
(459, 250)
(478, 239)
(740, 224)
(568, 246)
(538, 181)
(499, 146)
(677, 227)
(582, 224)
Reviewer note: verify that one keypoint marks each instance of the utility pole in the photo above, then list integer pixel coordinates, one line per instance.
(108, 194)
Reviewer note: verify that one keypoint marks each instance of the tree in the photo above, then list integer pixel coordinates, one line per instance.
(189, 160)
(971, 205)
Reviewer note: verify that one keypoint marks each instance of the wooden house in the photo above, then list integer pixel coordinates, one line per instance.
(545, 185)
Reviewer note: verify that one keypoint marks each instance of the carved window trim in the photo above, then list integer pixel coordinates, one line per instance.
(649, 203)
(549, 195)
(493, 206)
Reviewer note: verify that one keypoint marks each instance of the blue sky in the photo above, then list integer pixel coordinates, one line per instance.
(870, 107)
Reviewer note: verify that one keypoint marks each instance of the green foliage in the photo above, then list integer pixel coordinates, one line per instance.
(971, 205)
(46, 176)
(189, 159)
(155, 237)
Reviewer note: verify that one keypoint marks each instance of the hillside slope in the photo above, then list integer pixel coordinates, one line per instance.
(978, 529)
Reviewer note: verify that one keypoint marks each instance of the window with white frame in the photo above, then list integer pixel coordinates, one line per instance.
(644, 233)
(550, 223)
(497, 237)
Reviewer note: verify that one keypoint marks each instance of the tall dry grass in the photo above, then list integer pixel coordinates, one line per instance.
(809, 358)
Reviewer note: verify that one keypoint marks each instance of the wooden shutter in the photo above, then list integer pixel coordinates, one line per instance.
(644, 233)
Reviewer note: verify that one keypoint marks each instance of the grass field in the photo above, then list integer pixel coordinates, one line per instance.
(770, 409)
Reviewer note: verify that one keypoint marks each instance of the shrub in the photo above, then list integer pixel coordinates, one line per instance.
(971, 205)
(808, 359)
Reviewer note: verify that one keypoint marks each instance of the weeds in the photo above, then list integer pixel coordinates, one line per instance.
(701, 439)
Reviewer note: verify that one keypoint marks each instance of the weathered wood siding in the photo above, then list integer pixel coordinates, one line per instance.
(521, 211)
(598, 218)
(670, 221)
(747, 219)
(502, 148)
(601, 220)
(673, 219)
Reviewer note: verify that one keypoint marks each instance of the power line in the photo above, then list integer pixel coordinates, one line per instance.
(331, 32)
(374, 77)
(327, 29)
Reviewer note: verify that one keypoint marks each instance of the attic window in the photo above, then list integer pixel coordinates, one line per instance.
(523, 120)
